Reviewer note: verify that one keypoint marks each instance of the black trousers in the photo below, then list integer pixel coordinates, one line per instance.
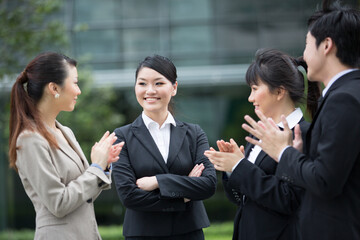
(196, 235)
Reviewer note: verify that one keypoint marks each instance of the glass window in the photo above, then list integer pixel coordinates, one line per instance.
(98, 44)
(240, 37)
(286, 36)
(95, 11)
(140, 9)
(141, 41)
(190, 9)
(231, 8)
(191, 39)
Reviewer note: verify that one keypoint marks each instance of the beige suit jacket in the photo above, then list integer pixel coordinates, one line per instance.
(61, 185)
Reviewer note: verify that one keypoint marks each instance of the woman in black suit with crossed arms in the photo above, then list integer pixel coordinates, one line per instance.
(163, 175)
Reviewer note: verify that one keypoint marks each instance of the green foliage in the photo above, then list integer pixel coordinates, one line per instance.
(217, 231)
(27, 29)
(17, 235)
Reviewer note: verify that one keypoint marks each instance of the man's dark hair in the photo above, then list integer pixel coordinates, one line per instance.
(342, 25)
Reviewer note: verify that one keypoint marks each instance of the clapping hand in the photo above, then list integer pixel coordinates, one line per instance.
(104, 152)
(298, 142)
(114, 152)
(271, 139)
(229, 154)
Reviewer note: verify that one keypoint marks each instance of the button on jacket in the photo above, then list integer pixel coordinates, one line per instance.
(330, 169)
(162, 212)
(267, 205)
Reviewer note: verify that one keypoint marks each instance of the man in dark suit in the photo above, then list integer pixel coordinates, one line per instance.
(329, 168)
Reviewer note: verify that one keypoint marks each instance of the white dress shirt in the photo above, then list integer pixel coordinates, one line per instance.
(334, 78)
(160, 134)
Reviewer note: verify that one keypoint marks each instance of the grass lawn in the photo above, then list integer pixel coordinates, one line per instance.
(217, 231)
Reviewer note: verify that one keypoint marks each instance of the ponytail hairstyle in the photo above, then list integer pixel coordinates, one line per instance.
(27, 91)
(279, 70)
(313, 91)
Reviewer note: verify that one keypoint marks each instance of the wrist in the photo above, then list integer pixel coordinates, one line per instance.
(97, 166)
(108, 167)
(155, 183)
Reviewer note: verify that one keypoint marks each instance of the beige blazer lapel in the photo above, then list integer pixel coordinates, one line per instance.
(71, 148)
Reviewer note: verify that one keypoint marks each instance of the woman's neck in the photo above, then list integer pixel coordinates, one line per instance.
(48, 113)
(285, 110)
(158, 117)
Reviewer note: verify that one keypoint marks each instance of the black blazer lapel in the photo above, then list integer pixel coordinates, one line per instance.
(143, 135)
(177, 136)
(354, 75)
(248, 148)
(260, 158)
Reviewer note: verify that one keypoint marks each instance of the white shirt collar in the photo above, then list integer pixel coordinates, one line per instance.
(148, 121)
(293, 118)
(336, 77)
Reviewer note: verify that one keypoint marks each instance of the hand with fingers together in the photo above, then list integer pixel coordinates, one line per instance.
(114, 152)
(104, 152)
(298, 142)
(195, 172)
(228, 156)
(224, 146)
(271, 139)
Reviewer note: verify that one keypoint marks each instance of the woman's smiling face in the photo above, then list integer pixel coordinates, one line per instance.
(153, 91)
(263, 99)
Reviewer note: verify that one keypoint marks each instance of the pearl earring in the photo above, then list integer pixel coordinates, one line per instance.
(57, 96)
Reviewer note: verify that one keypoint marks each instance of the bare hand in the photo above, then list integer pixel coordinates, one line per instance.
(273, 140)
(147, 183)
(114, 152)
(298, 142)
(225, 161)
(224, 146)
(197, 170)
(101, 150)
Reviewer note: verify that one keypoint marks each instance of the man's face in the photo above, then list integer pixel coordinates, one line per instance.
(314, 58)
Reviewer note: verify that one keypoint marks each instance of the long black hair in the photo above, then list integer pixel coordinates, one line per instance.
(28, 90)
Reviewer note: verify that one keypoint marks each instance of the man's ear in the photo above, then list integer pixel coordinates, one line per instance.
(329, 45)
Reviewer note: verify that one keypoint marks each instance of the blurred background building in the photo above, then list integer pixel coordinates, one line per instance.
(210, 41)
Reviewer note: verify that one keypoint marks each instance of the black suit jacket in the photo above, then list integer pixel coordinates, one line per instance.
(330, 169)
(267, 205)
(162, 212)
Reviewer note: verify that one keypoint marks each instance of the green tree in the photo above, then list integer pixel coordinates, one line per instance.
(27, 28)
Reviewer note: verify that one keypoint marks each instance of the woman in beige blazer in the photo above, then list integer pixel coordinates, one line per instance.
(52, 167)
